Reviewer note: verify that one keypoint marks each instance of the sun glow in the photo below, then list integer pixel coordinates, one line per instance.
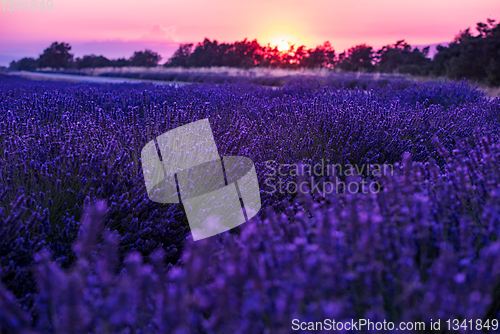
(283, 46)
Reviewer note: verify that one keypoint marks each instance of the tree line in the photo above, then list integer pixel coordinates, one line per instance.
(475, 57)
(58, 56)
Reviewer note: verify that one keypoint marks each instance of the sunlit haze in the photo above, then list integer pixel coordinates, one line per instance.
(283, 46)
(115, 28)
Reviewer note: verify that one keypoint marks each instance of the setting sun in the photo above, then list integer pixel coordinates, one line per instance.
(283, 46)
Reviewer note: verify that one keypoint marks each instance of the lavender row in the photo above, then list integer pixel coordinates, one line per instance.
(64, 146)
(425, 248)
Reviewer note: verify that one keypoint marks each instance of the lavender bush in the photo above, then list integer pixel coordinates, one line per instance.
(426, 247)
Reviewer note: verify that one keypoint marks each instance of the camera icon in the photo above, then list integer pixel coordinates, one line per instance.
(217, 193)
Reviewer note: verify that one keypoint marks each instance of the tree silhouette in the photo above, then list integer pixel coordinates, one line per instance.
(357, 58)
(145, 58)
(207, 53)
(56, 56)
(25, 64)
(473, 57)
(120, 62)
(181, 56)
(400, 58)
(322, 56)
(92, 61)
(247, 54)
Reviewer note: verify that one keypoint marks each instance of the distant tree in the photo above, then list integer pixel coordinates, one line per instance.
(491, 35)
(441, 60)
(92, 61)
(206, 54)
(321, 56)
(101, 61)
(272, 56)
(299, 55)
(357, 58)
(145, 58)
(390, 57)
(56, 56)
(249, 52)
(400, 58)
(330, 56)
(120, 62)
(473, 57)
(25, 64)
(416, 62)
(181, 56)
(463, 58)
(245, 54)
(289, 58)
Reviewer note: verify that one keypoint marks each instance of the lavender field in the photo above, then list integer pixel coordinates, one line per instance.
(83, 249)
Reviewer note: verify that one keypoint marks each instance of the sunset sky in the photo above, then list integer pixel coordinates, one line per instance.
(115, 28)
